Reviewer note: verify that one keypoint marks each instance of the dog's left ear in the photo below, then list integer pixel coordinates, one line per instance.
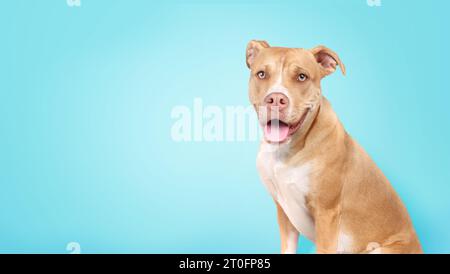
(253, 49)
(327, 59)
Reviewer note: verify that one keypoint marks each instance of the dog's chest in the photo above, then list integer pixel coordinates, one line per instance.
(289, 186)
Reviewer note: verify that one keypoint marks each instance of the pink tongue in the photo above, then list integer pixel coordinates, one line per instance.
(276, 131)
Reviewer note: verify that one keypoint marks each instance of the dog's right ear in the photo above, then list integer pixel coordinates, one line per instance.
(327, 59)
(253, 48)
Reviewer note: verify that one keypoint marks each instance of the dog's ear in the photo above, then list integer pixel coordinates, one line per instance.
(327, 59)
(253, 48)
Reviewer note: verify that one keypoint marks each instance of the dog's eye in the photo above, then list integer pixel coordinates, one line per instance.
(302, 77)
(261, 75)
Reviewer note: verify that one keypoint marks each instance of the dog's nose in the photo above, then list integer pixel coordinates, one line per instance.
(277, 100)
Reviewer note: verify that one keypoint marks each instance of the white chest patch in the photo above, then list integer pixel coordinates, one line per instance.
(289, 186)
(344, 243)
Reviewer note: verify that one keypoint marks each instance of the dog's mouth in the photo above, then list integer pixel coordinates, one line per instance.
(278, 131)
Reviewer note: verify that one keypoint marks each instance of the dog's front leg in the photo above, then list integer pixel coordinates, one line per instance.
(288, 233)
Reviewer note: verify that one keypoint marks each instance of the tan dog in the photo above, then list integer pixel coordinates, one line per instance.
(324, 184)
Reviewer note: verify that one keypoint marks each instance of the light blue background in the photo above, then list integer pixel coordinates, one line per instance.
(86, 95)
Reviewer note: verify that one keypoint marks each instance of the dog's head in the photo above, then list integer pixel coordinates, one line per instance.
(285, 86)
